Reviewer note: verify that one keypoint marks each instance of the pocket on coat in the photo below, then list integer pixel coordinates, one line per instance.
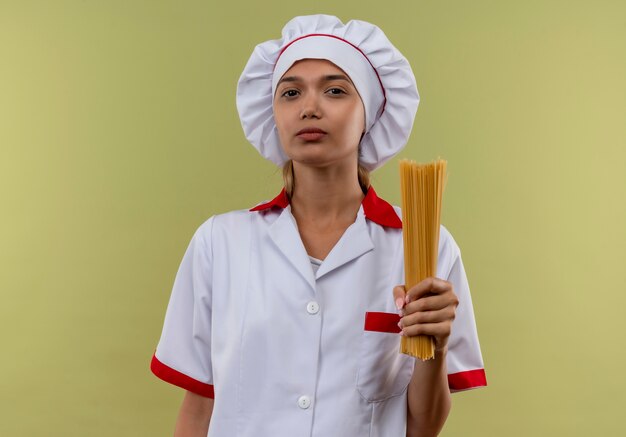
(383, 371)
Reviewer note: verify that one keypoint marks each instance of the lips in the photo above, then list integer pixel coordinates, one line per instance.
(311, 134)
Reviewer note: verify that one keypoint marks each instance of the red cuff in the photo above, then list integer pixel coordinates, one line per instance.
(466, 380)
(181, 380)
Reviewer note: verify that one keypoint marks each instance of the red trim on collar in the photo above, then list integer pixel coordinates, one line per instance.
(379, 211)
(375, 209)
(280, 201)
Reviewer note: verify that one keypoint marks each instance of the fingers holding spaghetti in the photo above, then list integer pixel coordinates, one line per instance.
(430, 310)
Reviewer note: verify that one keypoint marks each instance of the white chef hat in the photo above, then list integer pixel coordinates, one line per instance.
(380, 73)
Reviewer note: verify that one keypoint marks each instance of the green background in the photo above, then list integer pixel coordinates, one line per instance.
(119, 136)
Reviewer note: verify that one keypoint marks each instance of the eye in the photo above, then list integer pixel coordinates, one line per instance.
(289, 93)
(336, 91)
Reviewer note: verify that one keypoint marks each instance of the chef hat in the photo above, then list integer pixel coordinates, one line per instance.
(380, 73)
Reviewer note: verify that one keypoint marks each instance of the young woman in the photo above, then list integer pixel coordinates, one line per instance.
(285, 319)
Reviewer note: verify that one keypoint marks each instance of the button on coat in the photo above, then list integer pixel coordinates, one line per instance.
(312, 307)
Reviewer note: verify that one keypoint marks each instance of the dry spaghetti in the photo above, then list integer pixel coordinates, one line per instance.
(422, 188)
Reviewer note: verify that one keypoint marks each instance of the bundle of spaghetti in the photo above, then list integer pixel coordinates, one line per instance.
(422, 188)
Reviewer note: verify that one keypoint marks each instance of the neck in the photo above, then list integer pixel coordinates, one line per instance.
(327, 195)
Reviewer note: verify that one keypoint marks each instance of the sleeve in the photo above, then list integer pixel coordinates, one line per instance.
(183, 354)
(464, 359)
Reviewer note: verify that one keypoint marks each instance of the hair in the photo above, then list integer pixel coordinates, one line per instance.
(289, 178)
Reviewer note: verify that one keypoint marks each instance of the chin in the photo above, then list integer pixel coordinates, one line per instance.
(307, 154)
(312, 156)
(312, 161)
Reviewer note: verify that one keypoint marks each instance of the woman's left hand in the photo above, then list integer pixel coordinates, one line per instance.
(428, 308)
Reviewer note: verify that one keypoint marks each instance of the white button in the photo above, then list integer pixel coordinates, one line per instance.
(312, 307)
(304, 402)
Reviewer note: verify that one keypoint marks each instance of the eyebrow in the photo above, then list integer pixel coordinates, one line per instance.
(327, 78)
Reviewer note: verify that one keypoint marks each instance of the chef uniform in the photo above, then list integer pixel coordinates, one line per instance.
(292, 346)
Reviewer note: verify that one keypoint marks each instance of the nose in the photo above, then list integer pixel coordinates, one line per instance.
(310, 107)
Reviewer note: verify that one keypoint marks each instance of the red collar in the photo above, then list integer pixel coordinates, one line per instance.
(375, 208)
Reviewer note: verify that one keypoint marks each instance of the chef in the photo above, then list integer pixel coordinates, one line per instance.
(285, 319)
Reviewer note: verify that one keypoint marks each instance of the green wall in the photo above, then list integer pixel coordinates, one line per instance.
(119, 136)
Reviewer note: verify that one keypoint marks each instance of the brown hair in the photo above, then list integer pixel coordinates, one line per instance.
(289, 179)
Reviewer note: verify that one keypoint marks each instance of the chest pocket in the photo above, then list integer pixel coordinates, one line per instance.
(383, 371)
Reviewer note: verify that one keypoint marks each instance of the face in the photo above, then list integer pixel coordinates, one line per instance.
(319, 114)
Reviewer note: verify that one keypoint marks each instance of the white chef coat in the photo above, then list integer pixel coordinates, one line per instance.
(286, 350)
